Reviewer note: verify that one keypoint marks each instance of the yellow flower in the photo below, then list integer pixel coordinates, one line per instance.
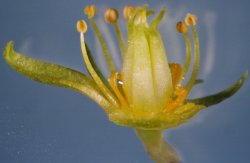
(149, 92)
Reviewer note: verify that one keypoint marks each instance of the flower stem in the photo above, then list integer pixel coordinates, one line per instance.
(155, 145)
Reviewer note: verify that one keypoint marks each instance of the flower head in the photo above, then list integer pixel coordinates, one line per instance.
(149, 92)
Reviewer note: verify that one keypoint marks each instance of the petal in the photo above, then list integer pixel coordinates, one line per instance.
(162, 78)
(147, 77)
(219, 97)
(138, 78)
(53, 74)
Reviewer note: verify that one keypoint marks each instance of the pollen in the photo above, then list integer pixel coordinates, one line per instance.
(181, 27)
(190, 19)
(127, 11)
(81, 26)
(90, 11)
(111, 15)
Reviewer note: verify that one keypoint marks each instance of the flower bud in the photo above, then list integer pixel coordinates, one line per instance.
(90, 11)
(111, 15)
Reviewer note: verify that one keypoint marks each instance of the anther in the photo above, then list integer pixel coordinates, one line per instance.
(90, 11)
(127, 11)
(181, 27)
(81, 26)
(111, 15)
(190, 19)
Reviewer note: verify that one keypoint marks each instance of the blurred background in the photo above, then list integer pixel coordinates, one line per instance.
(40, 123)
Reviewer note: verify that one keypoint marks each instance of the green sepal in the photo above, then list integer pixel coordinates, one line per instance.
(221, 96)
(53, 74)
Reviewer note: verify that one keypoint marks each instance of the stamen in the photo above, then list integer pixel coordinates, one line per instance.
(181, 27)
(123, 88)
(103, 45)
(176, 73)
(120, 39)
(92, 71)
(90, 11)
(114, 81)
(190, 19)
(181, 93)
(196, 59)
(188, 58)
(127, 12)
(181, 96)
(111, 16)
(81, 26)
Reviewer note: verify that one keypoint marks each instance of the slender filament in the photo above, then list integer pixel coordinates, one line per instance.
(94, 75)
(188, 58)
(104, 46)
(113, 81)
(194, 74)
(120, 39)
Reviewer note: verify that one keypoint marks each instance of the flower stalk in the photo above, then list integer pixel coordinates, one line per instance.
(157, 148)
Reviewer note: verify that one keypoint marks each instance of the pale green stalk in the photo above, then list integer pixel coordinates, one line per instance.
(188, 58)
(194, 74)
(104, 46)
(120, 39)
(157, 148)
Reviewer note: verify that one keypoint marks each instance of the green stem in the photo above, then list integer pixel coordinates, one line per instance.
(155, 145)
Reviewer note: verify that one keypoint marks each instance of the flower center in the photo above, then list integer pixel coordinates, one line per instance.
(147, 83)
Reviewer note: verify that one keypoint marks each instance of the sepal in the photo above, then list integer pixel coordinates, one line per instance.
(221, 96)
(53, 74)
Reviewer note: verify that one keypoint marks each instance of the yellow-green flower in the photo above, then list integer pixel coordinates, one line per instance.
(149, 92)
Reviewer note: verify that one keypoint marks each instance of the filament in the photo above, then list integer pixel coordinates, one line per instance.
(194, 74)
(103, 45)
(120, 39)
(188, 58)
(114, 80)
(93, 73)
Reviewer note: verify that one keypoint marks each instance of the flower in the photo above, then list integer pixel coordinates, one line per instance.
(149, 93)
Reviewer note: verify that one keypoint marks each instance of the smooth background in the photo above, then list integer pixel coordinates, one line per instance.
(44, 124)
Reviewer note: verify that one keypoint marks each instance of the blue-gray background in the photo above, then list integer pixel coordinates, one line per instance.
(44, 124)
